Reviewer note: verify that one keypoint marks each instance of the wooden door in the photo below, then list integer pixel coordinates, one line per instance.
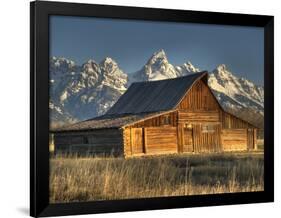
(207, 137)
(137, 141)
(188, 140)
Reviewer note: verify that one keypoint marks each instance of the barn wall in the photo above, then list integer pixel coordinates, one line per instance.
(180, 137)
(195, 139)
(199, 97)
(127, 142)
(137, 140)
(150, 140)
(157, 121)
(159, 140)
(231, 122)
(106, 141)
(234, 139)
(198, 116)
(207, 141)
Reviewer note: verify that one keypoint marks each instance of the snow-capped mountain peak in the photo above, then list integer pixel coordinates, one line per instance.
(91, 67)
(187, 68)
(109, 65)
(234, 92)
(60, 66)
(158, 60)
(157, 57)
(156, 68)
(61, 61)
(108, 62)
(223, 72)
(221, 68)
(85, 91)
(113, 76)
(89, 90)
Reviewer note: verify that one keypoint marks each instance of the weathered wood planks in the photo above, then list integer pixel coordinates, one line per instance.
(151, 140)
(231, 122)
(207, 141)
(137, 140)
(199, 116)
(199, 97)
(234, 139)
(161, 140)
(187, 140)
(158, 121)
(98, 141)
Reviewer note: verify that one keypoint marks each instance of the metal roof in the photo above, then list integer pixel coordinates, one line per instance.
(152, 96)
(142, 100)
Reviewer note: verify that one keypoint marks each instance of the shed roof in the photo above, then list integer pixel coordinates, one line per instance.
(152, 96)
(106, 122)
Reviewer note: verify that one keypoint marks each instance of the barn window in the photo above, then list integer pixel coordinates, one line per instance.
(166, 120)
(85, 140)
(208, 128)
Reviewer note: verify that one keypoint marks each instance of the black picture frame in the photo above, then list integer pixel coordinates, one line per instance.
(39, 109)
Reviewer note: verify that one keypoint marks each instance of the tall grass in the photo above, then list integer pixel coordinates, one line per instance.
(75, 179)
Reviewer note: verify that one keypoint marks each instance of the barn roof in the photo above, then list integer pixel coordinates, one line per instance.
(142, 100)
(107, 121)
(161, 95)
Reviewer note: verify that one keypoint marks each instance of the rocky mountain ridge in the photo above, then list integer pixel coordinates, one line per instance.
(83, 92)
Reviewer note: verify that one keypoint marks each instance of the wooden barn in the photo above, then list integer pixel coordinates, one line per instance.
(178, 115)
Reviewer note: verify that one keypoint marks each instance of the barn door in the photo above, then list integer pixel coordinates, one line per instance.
(188, 140)
(207, 137)
(137, 140)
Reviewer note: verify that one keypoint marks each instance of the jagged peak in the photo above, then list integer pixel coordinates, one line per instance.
(160, 53)
(108, 61)
(91, 61)
(221, 67)
(188, 63)
(91, 66)
(223, 71)
(187, 68)
(159, 56)
(57, 61)
(191, 67)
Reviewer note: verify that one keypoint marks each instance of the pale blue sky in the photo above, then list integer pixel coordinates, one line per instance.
(132, 42)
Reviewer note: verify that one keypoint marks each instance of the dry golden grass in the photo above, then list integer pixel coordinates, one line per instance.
(75, 179)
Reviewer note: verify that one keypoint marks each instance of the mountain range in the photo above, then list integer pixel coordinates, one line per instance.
(79, 92)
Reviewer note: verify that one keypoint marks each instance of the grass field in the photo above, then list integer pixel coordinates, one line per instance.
(74, 179)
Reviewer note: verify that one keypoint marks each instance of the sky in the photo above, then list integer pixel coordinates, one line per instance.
(132, 42)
